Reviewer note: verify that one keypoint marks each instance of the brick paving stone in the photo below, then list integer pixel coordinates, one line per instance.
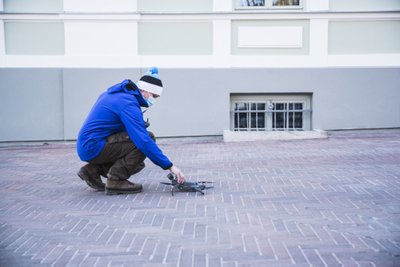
(64, 258)
(160, 252)
(28, 244)
(137, 244)
(172, 254)
(328, 202)
(186, 257)
(54, 254)
(296, 254)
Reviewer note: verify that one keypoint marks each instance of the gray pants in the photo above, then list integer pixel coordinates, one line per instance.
(119, 158)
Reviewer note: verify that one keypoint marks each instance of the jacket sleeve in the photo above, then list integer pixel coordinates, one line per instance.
(131, 116)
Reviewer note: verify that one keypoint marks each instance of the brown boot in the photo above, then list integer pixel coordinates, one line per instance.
(114, 187)
(89, 174)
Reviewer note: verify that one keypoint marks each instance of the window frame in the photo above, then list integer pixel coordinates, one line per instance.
(249, 113)
(286, 115)
(267, 7)
(270, 101)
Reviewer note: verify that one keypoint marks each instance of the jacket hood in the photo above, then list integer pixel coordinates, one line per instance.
(128, 87)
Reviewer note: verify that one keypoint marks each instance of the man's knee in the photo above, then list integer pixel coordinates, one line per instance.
(118, 138)
(123, 137)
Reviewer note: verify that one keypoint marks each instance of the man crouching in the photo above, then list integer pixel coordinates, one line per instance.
(114, 140)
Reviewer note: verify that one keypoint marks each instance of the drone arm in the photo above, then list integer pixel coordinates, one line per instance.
(198, 190)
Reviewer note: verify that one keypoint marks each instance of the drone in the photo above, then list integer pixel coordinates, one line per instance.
(187, 186)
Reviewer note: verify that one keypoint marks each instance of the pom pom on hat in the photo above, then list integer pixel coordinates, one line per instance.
(153, 71)
(151, 82)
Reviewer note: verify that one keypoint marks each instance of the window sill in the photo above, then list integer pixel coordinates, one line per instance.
(233, 136)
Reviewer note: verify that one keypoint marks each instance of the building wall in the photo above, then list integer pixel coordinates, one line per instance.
(196, 103)
(31, 104)
(55, 59)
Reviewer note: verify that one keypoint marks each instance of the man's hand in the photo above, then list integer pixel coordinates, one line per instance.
(178, 173)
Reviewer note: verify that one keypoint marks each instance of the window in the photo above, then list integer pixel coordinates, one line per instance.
(269, 4)
(285, 2)
(252, 3)
(249, 116)
(287, 116)
(271, 112)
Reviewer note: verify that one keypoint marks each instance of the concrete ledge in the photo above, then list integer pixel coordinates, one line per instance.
(233, 136)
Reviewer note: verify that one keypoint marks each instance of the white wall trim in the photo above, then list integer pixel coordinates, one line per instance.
(370, 60)
(232, 136)
(72, 16)
(115, 61)
(36, 61)
(221, 43)
(100, 6)
(221, 57)
(2, 45)
(207, 16)
(273, 16)
(319, 41)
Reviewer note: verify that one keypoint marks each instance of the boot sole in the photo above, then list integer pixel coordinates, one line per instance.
(85, 177)
(110, 191)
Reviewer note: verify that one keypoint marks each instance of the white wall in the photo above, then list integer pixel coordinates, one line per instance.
(111, 40)
(100, 6)
(222, 5)
(2, 44)
(317, 5)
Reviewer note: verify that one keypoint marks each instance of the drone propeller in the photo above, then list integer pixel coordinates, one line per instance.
(166, 183)
(208, 187)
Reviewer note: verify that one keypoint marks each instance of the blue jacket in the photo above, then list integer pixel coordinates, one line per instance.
(118, 110)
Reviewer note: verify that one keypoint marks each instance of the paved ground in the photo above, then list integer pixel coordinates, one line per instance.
(331, 202)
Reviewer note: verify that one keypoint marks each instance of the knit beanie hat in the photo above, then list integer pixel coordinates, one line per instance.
(151, 82)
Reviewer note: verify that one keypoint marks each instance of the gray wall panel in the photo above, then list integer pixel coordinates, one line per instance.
(357, 98)
(31, 105)
(34, 38)
(364, 5)
(51, 104)
(81, 89)
(343, 98)
(350, 37)
(165, 38)
(196, 101)
(39, 6)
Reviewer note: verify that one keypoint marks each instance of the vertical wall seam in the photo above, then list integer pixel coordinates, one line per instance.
(63, 102)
